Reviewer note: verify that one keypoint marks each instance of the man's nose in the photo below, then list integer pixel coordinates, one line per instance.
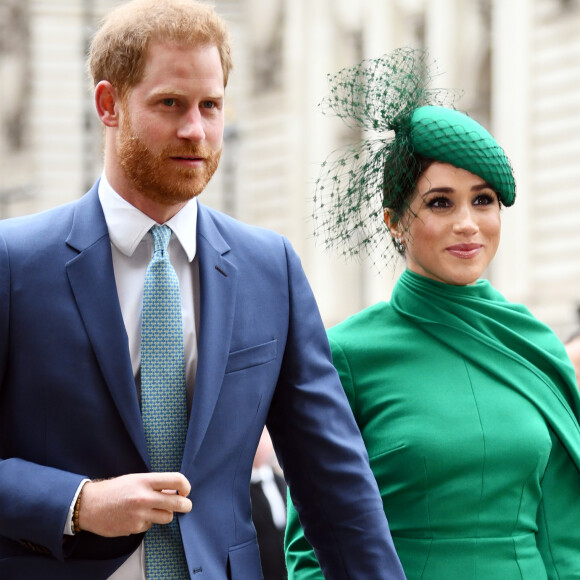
(191, 126)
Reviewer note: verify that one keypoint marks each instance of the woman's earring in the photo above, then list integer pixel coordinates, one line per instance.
(399, 245)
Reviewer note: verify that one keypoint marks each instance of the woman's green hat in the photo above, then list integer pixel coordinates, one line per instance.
(403, 119)
(449, 136)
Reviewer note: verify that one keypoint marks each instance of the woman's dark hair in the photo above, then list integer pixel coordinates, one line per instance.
(413, 167)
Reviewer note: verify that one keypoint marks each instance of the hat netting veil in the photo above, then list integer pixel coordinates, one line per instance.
(379, 97)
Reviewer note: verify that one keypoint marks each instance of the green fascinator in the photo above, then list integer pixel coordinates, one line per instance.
(402, 119)
(451, 137)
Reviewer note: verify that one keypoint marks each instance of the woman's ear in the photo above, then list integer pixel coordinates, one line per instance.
(395, 229)
(107, 104)
(392, 223)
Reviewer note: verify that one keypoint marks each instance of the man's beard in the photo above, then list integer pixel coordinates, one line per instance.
(156, 176)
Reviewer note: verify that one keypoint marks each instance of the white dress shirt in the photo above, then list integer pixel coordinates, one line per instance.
(132, 249)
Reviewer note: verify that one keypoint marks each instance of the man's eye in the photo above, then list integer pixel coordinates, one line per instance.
(208, 104)
(169, 102)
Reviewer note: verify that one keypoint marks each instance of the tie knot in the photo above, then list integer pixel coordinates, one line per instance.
(161, 236)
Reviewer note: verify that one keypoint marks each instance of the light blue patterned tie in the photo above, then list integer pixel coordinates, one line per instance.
(163, 398)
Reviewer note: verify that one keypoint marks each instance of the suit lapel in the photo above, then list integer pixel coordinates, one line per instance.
(218, 283)
(92, 281)
(93, 284)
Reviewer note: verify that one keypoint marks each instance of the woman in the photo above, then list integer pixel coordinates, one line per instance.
(467, 404)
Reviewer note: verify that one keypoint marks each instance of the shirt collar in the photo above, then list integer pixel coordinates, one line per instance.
(127, 225)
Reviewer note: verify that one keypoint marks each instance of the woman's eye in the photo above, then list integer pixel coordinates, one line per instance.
(485, 199)
(438, 202)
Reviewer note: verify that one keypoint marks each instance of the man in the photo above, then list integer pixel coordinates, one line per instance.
(86, 412)
(268, 495)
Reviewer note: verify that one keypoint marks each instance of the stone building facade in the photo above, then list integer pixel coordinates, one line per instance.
(518, 62)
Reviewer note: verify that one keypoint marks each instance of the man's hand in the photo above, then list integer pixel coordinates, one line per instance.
(131, 504)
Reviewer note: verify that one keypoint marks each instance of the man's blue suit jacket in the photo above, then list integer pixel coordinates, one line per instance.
(69, 407)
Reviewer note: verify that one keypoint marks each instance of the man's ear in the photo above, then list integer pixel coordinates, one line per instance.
(107, 104)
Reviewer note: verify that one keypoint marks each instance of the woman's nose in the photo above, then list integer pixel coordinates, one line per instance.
(465, 222)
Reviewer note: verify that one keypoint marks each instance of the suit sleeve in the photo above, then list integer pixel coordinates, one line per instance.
(321, 451)
(34, 499)
(301, 560)
(558, 515)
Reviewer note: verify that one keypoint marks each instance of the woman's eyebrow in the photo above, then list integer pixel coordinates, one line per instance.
(440, 189)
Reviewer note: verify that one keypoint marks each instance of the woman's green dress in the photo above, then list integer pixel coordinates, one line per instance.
(469, 409)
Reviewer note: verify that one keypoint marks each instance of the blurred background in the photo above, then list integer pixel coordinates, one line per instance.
(517, 61)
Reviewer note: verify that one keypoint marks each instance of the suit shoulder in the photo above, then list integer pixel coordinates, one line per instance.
(37, 224)
(242, 234)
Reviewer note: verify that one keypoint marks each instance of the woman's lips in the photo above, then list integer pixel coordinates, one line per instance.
(465, 251)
